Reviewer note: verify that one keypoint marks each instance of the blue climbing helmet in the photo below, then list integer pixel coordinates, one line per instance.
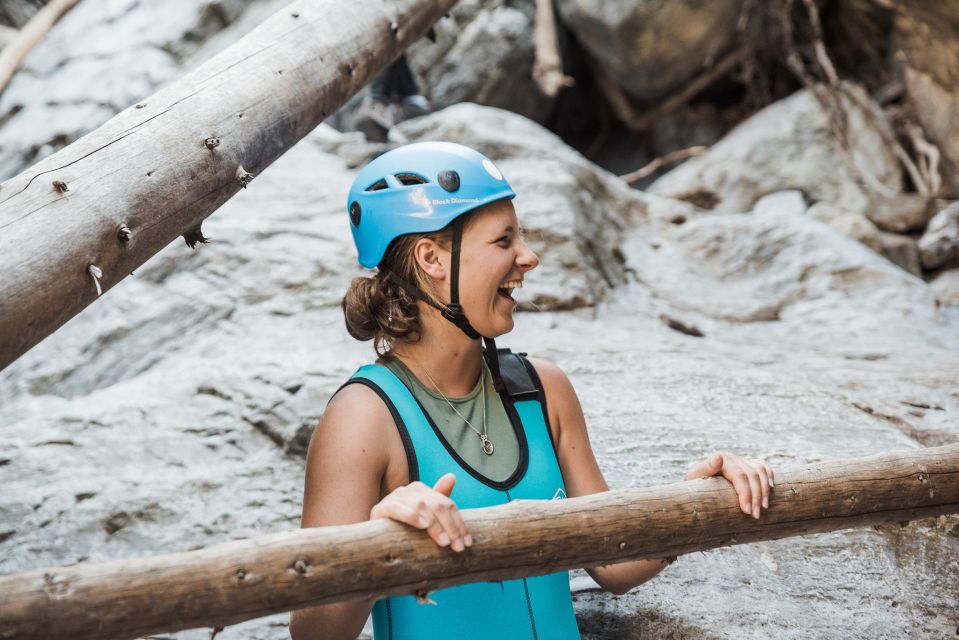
(421, 188)
(418, 188)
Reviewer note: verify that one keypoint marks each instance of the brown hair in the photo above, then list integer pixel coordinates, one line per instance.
(377, 309)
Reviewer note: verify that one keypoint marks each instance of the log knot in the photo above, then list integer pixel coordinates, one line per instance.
(194, 236)
(301, 567)
(60, 186)
(212, 143)
(243, 176)
(57, 587)
(123, 233)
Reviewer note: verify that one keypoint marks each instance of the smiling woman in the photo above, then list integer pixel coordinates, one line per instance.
(439, 423)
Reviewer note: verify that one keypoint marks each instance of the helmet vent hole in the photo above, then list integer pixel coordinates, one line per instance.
(378, 185)
(406, 179)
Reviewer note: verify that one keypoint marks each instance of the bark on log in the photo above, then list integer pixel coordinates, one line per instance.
(240, 580)
(23, 42)
(117, 196)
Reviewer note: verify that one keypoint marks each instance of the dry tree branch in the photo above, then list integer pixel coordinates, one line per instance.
(670, 158)
(637, 121)
(929, 157)
(547, 63)
(830, 96)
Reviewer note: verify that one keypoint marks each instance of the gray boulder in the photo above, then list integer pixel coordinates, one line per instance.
(901, 250)
(939, 245)
(946, 286)
(787, 145)
(850, 224)
(650, 49)
(901, 214)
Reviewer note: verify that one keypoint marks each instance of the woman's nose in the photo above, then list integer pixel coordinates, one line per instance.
(526, 259)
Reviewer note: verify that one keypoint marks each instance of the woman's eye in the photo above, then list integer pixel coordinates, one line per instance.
(504, 240)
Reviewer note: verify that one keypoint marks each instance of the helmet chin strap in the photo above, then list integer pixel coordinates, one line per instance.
(453, 312)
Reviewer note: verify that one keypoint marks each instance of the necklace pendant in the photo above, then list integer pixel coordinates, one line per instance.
(487, 445)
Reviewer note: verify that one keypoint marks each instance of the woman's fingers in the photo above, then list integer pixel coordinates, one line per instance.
(395, 510)
(445, 484)
(764, 482)
(770, 473)
(734, 472)
(423, 507)
(451, 535)
(755, 489)
(707, 468)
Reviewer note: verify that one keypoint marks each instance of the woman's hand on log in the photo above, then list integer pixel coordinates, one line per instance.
(420, 506)
(752, 479)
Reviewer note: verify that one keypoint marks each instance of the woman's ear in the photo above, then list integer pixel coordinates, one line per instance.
(428, 256)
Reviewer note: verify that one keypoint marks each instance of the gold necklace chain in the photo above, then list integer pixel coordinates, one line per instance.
(487, 443)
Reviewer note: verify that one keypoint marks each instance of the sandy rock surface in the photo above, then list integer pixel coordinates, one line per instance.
(173, 413)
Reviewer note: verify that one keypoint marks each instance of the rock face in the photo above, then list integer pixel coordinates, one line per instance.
(649, 48)
(174, 412)
(788, 145)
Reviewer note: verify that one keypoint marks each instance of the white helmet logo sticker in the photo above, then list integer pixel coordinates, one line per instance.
(491, 169)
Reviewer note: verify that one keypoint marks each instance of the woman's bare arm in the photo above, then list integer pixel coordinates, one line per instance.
(581, 471)
(753, 480)
(345, 466)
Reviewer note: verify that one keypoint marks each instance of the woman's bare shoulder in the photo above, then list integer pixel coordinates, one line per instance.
(357, 426)
(554, 379)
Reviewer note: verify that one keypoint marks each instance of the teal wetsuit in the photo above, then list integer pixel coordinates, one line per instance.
(538, 608)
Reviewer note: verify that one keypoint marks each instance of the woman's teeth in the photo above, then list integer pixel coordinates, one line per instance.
(506, 288)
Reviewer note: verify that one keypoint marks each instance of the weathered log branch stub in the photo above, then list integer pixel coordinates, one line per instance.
(144, 168)
(245, 579)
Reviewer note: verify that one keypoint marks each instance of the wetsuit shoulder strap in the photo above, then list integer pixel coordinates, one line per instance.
(520, 385)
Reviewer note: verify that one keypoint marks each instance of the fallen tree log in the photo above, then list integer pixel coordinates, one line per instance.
(79, 221)
(240, 580)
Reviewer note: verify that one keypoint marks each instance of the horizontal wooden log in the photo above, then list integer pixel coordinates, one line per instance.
(240, 580)
(78, 222)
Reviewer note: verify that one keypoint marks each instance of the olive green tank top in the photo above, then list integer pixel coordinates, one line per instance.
(502, 463)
